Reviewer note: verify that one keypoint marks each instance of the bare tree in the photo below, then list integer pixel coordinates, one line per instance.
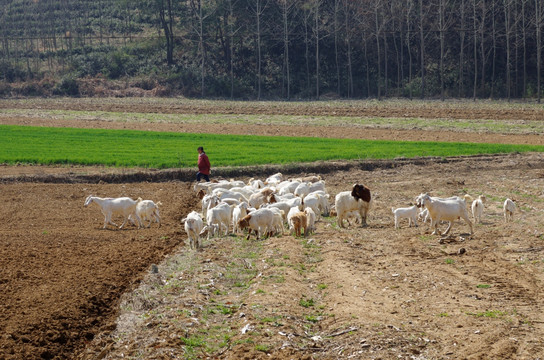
(482, 44)
(317, 5)
(336, 31)
(306, 20)
(232, 32)
(494, 46)
(422, 48)
(443, 26)
(462, 33)
(507, 34)
(410, 6)
(475, 42)
(377, 29)
(538, 28)
(166, 17)
(348, 10)
(524, 41)
(286, 9)
(258, 9)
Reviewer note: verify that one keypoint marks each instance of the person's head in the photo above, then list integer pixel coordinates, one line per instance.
(200, 149)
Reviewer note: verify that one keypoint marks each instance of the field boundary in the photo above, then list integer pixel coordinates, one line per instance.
(68, 176)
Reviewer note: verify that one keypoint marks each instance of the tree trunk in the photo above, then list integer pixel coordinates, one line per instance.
(422, 48)
(507, 25)
(494, 61)
(408, 47)
(378, 51)
(441, 29)
(538, 26)
(482, 48)
(317, 3)
(475, 38)
(461, 50)
(285, 13)
(337, 63)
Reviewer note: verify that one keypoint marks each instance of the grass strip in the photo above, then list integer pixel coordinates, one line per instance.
(474, 125)
(132, 148)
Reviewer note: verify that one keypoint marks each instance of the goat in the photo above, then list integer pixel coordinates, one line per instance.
(312, 201)
(358, 199)
(260, 198)
(261, 220)
(302, 190)
(193, 227)
(310, 220)
(509, 208)
(423, 215)
(299, 222)
(274, 179)
(220, 215)
(255, 183)
(288, 188)
(478, 208)
(277, 223)
(115, 206)
(282, 205)
(317, 186)
(148, 210)
(238, 212)
(447, 210)
(409, 213)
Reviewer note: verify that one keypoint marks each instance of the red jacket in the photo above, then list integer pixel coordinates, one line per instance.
(204, 164)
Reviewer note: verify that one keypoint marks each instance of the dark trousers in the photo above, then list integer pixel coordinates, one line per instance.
(199, 175)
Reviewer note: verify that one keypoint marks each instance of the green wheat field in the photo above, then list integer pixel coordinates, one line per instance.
(131, 148)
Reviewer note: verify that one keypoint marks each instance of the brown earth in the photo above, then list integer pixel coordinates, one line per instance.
(431, 110)
(66, 284)
(338, 132)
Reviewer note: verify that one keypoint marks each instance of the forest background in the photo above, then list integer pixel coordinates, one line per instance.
(272, 49)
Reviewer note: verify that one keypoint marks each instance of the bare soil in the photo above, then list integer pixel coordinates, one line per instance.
(70, 289)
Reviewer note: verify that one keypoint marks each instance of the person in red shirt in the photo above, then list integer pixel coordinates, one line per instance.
(203, 165)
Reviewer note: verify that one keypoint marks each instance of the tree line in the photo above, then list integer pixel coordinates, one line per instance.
(284, 48)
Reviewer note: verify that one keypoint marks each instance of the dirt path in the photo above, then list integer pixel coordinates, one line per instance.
(385, 109)
(374, 292)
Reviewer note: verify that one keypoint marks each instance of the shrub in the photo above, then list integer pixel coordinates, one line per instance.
(67, 86)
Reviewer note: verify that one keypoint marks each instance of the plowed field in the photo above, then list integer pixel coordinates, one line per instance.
(70, 289)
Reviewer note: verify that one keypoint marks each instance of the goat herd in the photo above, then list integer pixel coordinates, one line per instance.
(263, 207)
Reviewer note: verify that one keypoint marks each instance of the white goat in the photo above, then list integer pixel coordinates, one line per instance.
(261, 221)
(509, 208)
(302, 190)
(277, 223)
(220, 215)
(310, 219)
(288, 188)
(124, 206)
(313, 201)
(256, 183)
(193, 226)
(317, 186)
(447, 210)
(478, 208)
(148, 210)
(260, 198)
(409, 213)
(208, 201)
(238, 213)
(282, 205)
(274, 179)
